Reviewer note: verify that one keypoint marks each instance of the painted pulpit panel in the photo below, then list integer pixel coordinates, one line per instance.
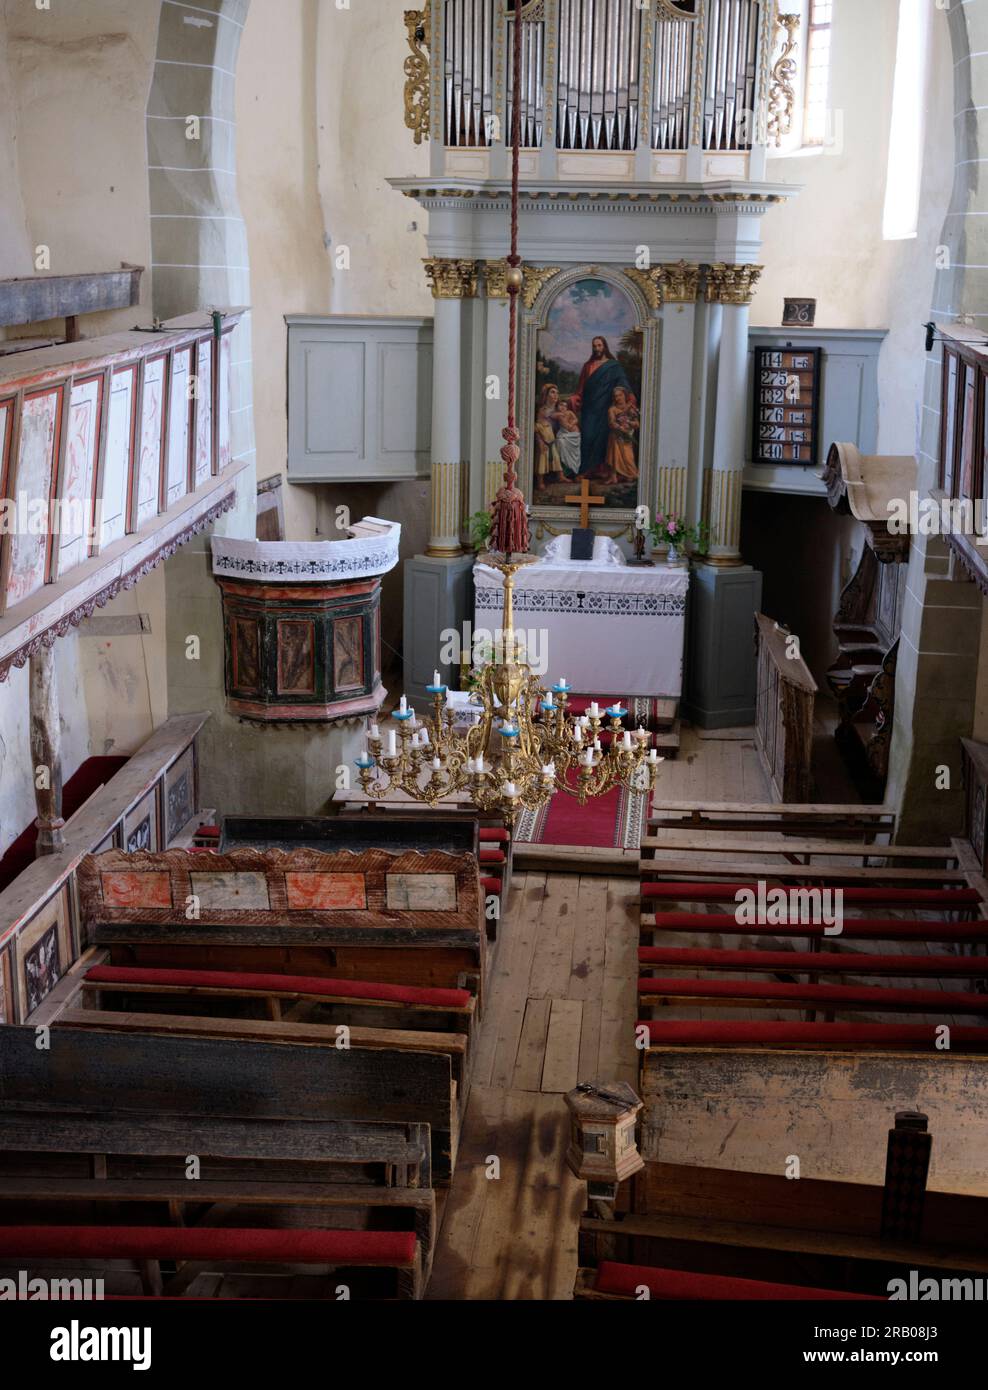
(296, 656)
(117, 462)
(179, 427)
(79, 478)
(587, 394)
(148, 481)
(31, 490)
(204, 413)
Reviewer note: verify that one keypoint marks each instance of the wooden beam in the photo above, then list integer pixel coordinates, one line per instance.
(38, 298)
(46, 752)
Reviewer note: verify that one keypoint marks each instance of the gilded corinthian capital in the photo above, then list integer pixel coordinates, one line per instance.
(732, 284)
(451, 279)
(676, 283)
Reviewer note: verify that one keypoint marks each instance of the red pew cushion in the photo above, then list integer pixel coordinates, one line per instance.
(291, 984)
(934, 1001)
(863, 928)
(681, 1286)
(180, 1243)
(491, 885)
(493, 834)
(834, 1035)
(813, 962)
(721, 892)
(492, 856)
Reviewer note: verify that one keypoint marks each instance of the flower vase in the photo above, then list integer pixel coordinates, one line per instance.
(673, 555)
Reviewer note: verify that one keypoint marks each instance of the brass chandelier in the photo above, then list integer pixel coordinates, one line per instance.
(525, 746)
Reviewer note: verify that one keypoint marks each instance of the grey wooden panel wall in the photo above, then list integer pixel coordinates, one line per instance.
(849, 399)
(359, 398)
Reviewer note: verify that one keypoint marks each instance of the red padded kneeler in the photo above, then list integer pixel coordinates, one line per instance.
(492, 834)
(830, 1035)
(199, 1243)
(491, 885)
(678, 1285)
(855, 928)
(491, 856)
(904, 897)
(813, 962)
(282, 984)
(883, 999)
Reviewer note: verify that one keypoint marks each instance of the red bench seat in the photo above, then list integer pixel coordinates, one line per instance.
(385, 1248)
(855, 928)
(412, 995)
(832, 1036)
(493, 834)
(879, 998)
(879, 895)
(812, 962)
(491, 856)
(678, 1285)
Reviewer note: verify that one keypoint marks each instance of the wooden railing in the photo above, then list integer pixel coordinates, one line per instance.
(784, 712)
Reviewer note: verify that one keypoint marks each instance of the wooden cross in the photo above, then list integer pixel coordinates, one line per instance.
(585, 502)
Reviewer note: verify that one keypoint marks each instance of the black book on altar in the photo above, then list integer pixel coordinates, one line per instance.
(581, 543)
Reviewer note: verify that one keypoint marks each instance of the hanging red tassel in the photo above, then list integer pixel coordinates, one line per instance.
(509, 533)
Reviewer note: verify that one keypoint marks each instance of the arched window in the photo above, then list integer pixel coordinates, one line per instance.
(905, 167)
(810, 130)
(817, 85)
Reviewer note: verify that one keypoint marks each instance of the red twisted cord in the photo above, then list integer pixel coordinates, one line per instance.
(510, 521)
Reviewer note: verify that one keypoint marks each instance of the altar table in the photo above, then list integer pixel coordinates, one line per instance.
(607, 629)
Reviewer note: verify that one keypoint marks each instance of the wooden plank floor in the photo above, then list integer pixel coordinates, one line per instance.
(560, 1007)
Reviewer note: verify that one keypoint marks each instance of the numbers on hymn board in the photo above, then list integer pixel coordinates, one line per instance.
(786, 405)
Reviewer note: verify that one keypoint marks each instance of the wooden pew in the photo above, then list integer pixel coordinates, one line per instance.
(718, 1230)
(64, 1167)
(406, 918)
(236, 1078)
(851, 821)
(199, 1251)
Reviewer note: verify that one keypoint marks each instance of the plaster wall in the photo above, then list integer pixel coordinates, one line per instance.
(827, 242)
(73, 89)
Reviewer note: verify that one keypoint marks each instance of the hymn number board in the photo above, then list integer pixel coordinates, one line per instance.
(787, 405)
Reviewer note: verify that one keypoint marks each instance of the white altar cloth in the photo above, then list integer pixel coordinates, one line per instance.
(606, 629)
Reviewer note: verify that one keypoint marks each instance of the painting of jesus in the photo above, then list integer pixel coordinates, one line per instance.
(587, 392)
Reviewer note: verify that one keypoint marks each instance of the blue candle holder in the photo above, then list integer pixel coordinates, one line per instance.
(409, 714)
(364, 762)
(509, 731)
(561, 689)
(436, 689)
(616, 712)
(548, 706)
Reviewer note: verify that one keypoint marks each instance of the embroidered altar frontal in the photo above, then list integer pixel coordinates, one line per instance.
(608, 630)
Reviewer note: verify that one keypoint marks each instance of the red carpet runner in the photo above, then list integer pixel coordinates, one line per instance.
(613, 821)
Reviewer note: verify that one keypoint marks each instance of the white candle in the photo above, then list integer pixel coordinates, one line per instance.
(375, 732)
(424, 737)
(587, 759)
(510, 789)
(549, 771)
(480, 763)
(392, 748)
(436, 765)
(595, 710)
(403, 705)
(435, 679)
(596, 745)
(578, 733)
(653, 756)
(626, 742)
